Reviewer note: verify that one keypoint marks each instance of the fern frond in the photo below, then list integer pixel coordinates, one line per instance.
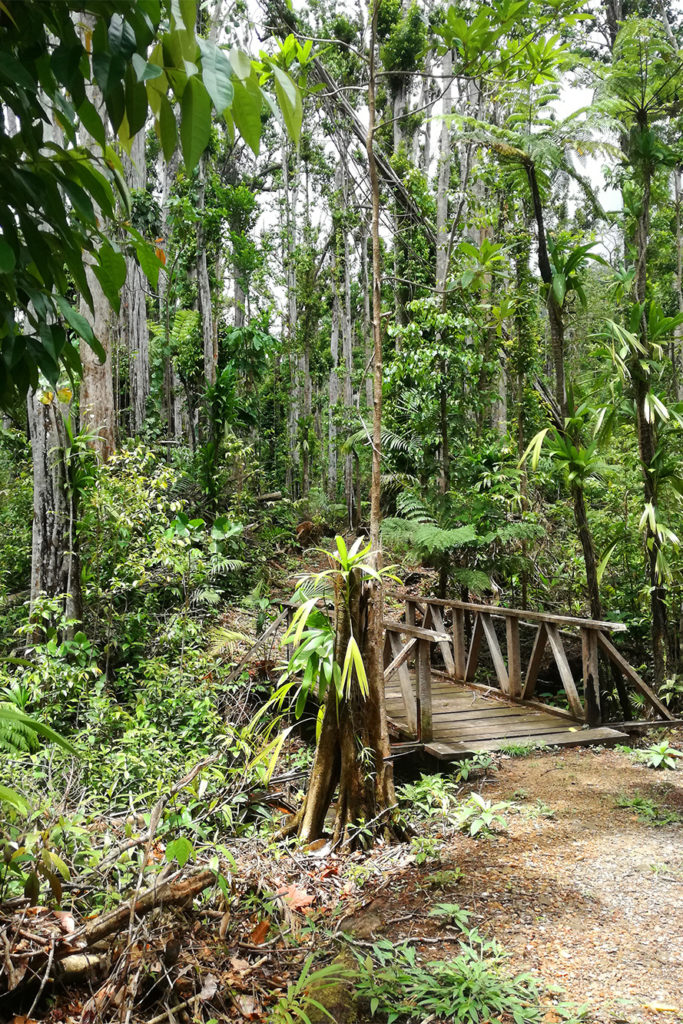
(411, 506)
(223, 639)
(474, 579)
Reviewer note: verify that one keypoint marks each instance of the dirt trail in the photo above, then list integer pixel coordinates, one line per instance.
(581, 891)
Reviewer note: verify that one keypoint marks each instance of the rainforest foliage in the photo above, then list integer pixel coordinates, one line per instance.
(193, 317)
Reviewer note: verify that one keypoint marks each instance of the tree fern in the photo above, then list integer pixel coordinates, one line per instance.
(16, 736)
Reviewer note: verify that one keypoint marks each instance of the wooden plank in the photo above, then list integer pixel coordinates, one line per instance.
(514, 657)
(444, 645)
(524, 614)
(591, 677)
(424, 692)
(632, 676)
(566, 676)
(260, 640)
(494, 730)
(401, 655)
(475, 644)
(459, 652)
(496, 653)
(550, 710)
(535, 662)
(417, 631)
(446, 750)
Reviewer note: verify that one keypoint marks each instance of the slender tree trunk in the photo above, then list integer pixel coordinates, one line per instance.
(442, 262)
(96, 399)
(678, 331)
(55, 565)
(334, 388)
(647, 438)
(377, 718)
(133, 320)
(291, 193)
(203, 285)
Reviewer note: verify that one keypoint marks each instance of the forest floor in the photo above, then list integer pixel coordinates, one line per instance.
(583, 887)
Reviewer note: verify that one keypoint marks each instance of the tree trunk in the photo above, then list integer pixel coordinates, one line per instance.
(647, 437)
(55, 566)
(442, 262)
(334, 389)
(678, 331)
(133, 320)
(96, 399)
(203, 285)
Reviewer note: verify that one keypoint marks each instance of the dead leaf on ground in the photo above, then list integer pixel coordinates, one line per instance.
(296, 898)
(239, 964)
(247, 1006)
(258, 935)
(223, 926)
(209, 988)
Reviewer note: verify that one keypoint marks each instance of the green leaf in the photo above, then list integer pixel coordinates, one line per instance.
(145, 70)
(136, 104)
(246, 112)
(168, 129)
(195, 124)
(7, 258)
(216, 75)
(602, 564)
(241, 64)
(289, 100)
(12, 714)
(92, 122)
(150, 263)
(534, 448)
(80, 325)
(559, 287)
(122, 42)
(180, 849)
(110, 271)
(14, 799)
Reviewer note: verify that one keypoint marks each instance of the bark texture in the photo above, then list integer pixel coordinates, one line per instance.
(55, 568)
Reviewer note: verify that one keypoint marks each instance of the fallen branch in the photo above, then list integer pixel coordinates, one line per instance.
(176, 891)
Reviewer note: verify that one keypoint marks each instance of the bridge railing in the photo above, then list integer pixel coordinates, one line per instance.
(460, 650)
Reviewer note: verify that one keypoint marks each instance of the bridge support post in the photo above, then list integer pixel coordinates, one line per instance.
(591, 678)
(423, 680)
(459, 649)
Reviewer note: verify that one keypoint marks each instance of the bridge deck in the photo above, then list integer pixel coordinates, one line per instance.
(467, 720)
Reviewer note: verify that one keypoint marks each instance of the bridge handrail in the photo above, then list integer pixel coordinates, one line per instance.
(518, 613)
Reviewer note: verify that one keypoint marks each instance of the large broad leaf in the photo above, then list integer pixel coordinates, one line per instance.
(195, 123)
(149, 261)
(241, 63)
(167, 128)
(14, 799)
(80, 325)
(216, 75)
(110, 271)
(136, 103)
(122, 41)
(289, 100)
(92, 122)
(7, 258)
(246, 112)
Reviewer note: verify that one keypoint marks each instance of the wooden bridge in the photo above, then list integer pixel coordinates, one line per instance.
(452, 691)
